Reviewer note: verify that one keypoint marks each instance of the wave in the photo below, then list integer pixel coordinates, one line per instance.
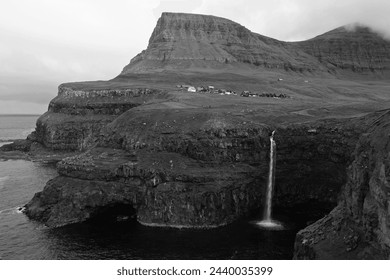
(4, 143)
(13, 210)
(22, 136)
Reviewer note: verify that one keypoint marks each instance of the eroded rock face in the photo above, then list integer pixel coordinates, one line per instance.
(191, 194)
(312, 160)
(195, 171)
(69, 132)
(76, 116)
(360, 227)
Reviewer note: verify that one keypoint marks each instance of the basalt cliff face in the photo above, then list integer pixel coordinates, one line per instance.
(76, 116)
(151, 151)
(194, 170)
(359, 227)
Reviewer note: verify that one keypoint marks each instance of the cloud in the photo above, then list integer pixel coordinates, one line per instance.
(176, 6)
(45, 43)
(33, 73)
(300, 19)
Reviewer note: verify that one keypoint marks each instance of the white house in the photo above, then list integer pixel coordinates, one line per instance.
(192, 89)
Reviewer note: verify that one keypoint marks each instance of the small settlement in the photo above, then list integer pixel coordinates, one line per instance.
(213, 90)
(208, 89)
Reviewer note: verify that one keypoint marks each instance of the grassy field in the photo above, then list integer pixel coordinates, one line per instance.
(311, 96)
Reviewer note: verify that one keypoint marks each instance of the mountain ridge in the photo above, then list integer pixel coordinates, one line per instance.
(189, 41)
(360, 49)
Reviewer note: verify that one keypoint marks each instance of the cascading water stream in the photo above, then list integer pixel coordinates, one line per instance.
(271, 180)
(267, 219)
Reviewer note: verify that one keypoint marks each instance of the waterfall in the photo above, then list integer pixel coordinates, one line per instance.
(271, 179)
(267, 221)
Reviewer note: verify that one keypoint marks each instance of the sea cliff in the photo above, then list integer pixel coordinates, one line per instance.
(358, 228)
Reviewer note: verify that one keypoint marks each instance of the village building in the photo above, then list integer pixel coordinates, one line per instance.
(191, 89)
(245, 93)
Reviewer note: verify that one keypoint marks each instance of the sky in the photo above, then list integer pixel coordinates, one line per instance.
(44, 43)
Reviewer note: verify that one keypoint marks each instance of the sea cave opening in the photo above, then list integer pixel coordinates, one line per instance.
(113, 213)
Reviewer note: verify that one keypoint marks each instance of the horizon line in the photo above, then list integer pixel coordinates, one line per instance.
(37, 114)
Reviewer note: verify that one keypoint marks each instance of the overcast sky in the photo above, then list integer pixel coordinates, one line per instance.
(47, 42)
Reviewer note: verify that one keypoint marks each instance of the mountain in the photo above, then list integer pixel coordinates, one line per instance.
(358, 48)
(199, 42)
(187, 41)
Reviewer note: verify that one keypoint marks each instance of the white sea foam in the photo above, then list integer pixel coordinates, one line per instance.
(13, 210)
(4, 143)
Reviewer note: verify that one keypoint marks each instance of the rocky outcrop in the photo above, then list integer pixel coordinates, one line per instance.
(359, 226)
(76, 116)
(69, 132)
(163, 189)
(22, 145)
(84, 102)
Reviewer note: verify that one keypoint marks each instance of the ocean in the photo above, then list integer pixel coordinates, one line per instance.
(16, 127)
(21, 238)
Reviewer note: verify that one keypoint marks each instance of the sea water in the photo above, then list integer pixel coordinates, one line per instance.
(16, 127)
(21, 238)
